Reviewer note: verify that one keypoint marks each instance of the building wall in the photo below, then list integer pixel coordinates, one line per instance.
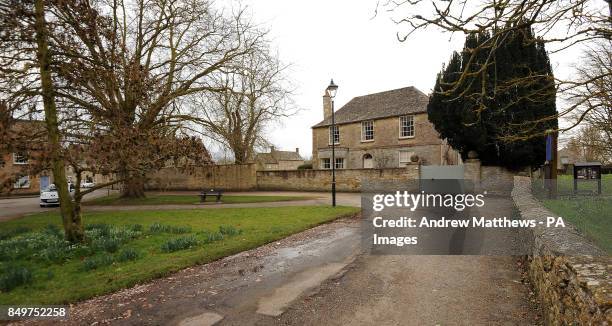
(386, 144)
(289, 165)
(9, 171)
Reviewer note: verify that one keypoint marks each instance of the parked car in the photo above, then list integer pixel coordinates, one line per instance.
(50, 197)
(86, 184)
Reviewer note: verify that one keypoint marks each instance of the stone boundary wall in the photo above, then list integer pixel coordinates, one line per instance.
(568, 272)
(347, 180)
(244, 177)
(238, 177)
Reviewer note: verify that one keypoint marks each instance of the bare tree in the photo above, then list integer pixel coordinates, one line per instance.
(108, 76)
(593, 99)
(561, 24)
(128, 64)
(257, 94)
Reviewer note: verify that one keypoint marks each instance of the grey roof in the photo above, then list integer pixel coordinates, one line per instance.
(275, 156)
(391, 103)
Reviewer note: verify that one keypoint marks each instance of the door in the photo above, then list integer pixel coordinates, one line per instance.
(368, 162)
(44, 182)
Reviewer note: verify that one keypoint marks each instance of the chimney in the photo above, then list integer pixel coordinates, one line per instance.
(297, 150)
(272, 148)
(327, 106)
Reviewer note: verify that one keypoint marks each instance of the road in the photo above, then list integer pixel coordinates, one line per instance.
(11, 208)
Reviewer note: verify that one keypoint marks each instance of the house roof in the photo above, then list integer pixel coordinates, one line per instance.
(274, 156)
(391, 103)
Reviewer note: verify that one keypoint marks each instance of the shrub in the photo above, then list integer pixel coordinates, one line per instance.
(14, 276)
(177, 244)
(96, 262)
(128, 254)
(229, 230)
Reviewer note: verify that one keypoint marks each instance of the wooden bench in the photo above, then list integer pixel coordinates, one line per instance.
(211, 192)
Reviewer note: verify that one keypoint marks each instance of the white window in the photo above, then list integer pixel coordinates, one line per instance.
(339, 163)
(325, 163)
(20, 158)
(22, 182)
(404, 158)
(406, 126)
(367, 130)
(334, 133)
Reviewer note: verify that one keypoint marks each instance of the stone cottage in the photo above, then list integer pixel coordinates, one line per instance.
(381, 130)
(18, 176)
(279, 160)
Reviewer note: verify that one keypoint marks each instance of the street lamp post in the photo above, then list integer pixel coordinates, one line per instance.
(331, 91)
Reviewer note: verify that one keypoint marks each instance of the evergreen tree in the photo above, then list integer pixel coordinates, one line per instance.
(473, 110)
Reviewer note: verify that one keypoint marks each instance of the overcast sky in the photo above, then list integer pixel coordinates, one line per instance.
(340, 39)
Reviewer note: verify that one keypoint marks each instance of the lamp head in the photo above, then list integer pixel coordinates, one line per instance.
(332, 89)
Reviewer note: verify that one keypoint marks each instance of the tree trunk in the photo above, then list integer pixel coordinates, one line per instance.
(133, 187)
(71, 215)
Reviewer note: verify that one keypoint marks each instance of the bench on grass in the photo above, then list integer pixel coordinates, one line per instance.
(211, 192)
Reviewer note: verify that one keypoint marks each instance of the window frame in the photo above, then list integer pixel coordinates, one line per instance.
(324, 162)
(404, 163)
(16, 184)
(341, 165)
(401, 126)
(364, 130)
(23, 156)
(335, 132)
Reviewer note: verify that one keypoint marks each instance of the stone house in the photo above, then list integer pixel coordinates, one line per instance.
(279, 160)
(18, 175)
(381, 130)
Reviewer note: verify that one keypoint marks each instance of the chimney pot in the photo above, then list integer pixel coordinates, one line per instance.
(272, 149)
(297, 150)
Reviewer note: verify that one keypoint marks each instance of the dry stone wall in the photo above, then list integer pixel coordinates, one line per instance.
(570, 274)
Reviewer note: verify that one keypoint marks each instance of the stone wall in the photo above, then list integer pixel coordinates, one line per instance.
(569, 273)
(246, 177)
(229, 177)
(349, 180)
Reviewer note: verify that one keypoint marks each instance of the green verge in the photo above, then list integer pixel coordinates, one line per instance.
(592, 216)
(157, 199)
(590, 213)
(167, 242)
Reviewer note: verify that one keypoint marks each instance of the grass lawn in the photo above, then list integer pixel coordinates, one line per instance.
(126, 248)
(159, 199)
(591, 214)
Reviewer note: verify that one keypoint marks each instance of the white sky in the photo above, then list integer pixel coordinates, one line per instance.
(338, 39)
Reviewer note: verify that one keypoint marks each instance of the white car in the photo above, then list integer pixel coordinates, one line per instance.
(88, 184)
(50, 197)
